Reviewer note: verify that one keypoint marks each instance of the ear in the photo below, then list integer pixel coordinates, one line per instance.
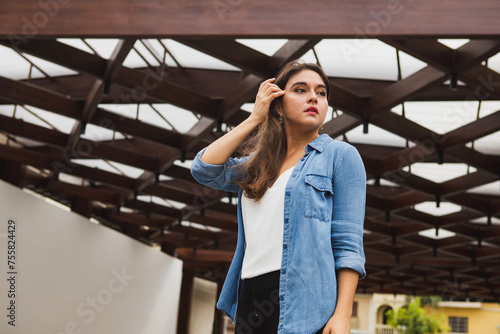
(278, 108)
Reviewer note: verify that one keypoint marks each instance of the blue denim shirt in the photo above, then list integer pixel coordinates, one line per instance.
(323, 231)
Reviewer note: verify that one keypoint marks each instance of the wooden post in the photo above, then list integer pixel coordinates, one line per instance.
(82, 206)
(219, 315)
(13, 173)
(185, 301)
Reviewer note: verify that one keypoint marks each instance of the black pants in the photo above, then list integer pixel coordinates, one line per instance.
(258, 306)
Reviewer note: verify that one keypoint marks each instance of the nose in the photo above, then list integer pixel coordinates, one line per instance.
(312, 97)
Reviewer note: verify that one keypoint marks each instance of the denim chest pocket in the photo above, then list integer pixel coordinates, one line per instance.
(319, 197)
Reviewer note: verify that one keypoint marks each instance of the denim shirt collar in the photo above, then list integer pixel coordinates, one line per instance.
(319, 143)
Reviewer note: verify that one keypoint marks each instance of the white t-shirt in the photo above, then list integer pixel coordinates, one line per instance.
(263, 224)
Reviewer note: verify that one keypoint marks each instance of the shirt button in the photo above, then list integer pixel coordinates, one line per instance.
(287, 193)
(284, 246)
(283, 271)
(322, 186)
(302, 159)
(294, 174)
(286, 220)
(282, 298)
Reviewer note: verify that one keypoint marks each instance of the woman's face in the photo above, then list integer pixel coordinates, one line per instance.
(305, 102)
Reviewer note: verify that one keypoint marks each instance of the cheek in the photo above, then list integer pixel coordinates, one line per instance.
(290, 106)
(324, 113)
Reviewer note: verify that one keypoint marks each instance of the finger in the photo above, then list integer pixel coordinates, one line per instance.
(268, 96)
(278, 93)
(272, 89)
(267, 89)
(263, 83)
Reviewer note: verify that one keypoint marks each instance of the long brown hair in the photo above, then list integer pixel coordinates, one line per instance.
(267, 146)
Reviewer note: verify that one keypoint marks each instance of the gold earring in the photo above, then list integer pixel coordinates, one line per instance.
(281, 119)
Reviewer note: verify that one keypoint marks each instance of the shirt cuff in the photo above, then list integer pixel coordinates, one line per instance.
(202, 167)
(356, 263)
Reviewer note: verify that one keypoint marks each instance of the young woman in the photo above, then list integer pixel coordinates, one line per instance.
(301, 204)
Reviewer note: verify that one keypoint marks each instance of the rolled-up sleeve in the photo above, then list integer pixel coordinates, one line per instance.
(220, 177)
(349, 187)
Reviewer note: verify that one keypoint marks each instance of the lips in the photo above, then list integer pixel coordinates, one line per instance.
(312, 110)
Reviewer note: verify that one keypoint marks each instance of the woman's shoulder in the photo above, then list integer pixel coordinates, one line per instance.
(339, 146)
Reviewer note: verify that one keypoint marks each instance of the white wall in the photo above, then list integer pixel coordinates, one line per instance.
(203, 297)
(76, 277)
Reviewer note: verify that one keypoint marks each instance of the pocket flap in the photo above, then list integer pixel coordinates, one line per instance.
(320, 182)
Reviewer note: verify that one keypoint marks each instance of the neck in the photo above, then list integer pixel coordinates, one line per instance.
(298, 141)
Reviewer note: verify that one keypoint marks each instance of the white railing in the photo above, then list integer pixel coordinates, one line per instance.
(386, 329)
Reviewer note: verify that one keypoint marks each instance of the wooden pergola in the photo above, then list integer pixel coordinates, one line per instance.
(399, 259)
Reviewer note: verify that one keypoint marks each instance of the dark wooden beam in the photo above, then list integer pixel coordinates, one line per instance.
(475, 52)
(180, 196)
(178, 240)
(86, 149)
(404, 89)
(474, 158)
(259, 18)
(102, 195)
(25, 93)
(205, 255)
(102, 176)
(62, 54)
(148, 84)
(231, 226)
(241, 56)
(340, 125)
(136, 128)
(153, 221)
(347, 101)
(465, 62)
(202, 233)
(25, 156)
(201, 81)
(18, 127)
(292, 50)
(466, 182)
(142, 83)
(154, 208)
(408, 199)
(405, 157)
(113, 65)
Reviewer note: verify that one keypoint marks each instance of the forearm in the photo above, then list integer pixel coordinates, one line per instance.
(347, 281)
(220, 150)
(339, 323)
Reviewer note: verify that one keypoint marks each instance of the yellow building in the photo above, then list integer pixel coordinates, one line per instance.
(461, 317)
(472, 317)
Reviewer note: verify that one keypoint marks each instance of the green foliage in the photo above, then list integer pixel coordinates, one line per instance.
(412, 319)
(431, 301)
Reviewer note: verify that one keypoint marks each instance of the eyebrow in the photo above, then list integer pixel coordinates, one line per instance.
(305, 84)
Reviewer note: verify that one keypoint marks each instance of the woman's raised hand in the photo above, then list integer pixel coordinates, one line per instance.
(220, 150)
(268, 91)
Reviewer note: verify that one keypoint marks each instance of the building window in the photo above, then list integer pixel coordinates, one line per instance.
(355, 309)
(458, 324)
